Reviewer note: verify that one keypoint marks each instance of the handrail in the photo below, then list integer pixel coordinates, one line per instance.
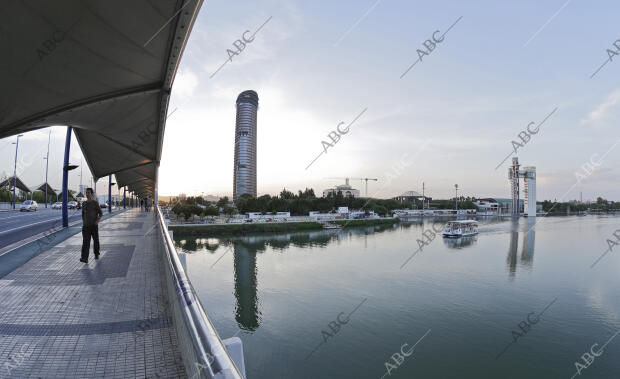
(213, 358)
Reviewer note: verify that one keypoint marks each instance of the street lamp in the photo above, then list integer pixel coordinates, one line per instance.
(15, 168)
(80, 189)
(47, 160)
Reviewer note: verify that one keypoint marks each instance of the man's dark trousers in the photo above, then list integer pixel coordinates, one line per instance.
(87, 233)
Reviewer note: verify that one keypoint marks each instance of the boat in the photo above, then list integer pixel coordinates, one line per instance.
(460, 228)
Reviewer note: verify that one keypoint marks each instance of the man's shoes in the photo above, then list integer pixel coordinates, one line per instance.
(83, 260)
(96, 256)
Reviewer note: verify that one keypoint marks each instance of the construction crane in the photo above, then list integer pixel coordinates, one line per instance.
(364, 179)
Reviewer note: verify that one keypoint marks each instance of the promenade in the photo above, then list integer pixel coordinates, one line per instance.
(109, 318)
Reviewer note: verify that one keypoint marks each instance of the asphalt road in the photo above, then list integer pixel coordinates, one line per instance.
(16, 226)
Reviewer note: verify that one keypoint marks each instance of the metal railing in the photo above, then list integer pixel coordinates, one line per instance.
(204, 353)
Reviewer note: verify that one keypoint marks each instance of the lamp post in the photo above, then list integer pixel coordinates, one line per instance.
(80, 189)
(15, 168)
(47, 161)
(456, 197)
(110, 193)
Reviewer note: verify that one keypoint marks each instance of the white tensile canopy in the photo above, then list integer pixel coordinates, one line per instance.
(105, 68)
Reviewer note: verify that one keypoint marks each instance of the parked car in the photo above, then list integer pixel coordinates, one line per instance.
(28, 205)
(72, 204)
(57, 205)
(103, 205)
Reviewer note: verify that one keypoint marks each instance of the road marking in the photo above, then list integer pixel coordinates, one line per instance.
(24, 226)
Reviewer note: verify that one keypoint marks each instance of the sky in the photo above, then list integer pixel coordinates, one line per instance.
(450, 119)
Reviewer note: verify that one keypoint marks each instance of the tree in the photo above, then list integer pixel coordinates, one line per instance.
(287, 194)
(222, 202)
(211, 211)
(380, 210)
(243, 203)
(228, 210)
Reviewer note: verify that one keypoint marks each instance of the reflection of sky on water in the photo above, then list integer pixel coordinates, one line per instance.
(282, 289)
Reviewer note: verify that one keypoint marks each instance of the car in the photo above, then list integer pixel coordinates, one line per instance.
(72, 205)
(103, 205)
(57, 205)
(28, 205)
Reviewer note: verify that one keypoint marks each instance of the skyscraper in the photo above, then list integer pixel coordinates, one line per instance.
(244, 180)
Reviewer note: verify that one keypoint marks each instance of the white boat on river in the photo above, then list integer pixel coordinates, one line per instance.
(460, 228)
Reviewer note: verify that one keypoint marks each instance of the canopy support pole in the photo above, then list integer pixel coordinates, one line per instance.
(65, 180)
(109, 193)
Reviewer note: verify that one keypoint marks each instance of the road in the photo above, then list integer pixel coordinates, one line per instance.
(17, 226)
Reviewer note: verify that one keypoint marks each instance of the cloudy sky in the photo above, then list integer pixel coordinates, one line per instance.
(449, 119)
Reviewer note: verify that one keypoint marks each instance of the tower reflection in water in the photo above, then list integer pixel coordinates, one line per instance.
(527, 246)
(245, 251)
(246, 311)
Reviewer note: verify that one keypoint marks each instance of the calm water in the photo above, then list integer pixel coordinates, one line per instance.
(462, 301)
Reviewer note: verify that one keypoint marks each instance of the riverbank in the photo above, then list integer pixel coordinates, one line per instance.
(268, 227)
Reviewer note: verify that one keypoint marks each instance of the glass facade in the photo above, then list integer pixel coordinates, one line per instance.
(244, 180)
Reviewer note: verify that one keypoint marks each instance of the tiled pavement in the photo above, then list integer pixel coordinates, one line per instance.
(61, 318)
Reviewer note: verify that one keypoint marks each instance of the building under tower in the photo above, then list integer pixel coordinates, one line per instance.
(244, 180)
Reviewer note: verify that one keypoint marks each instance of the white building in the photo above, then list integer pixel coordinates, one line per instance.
(345, 189)
(278, 215)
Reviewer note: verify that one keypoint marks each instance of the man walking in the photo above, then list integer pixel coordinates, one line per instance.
(91, 214)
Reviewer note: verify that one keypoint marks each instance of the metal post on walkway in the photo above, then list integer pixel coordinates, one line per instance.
(15, 169)
(47, 163)
(124, 197)
(65, 180)
(109, 193)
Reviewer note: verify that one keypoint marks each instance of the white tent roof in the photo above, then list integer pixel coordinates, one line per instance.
(104, 67)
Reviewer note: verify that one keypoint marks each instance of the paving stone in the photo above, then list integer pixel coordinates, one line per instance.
(61, 318)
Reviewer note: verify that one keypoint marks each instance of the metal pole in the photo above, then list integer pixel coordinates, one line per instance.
(15, 170)
(47, 163)
(80, 190)
(65, 180)
(109, 193)
(456, 197)
(423, 198)
(124, 197)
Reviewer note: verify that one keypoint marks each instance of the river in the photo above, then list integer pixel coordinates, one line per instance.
(519, 300)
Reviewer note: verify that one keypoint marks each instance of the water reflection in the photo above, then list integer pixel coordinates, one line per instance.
(246, 249)
(461, 242)
(247, 313)
(527, 246)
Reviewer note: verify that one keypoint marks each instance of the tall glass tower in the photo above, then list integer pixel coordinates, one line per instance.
(244, 180)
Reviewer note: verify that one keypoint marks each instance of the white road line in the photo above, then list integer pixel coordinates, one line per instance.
(32, 217)
(25, 226)
(23, 216)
